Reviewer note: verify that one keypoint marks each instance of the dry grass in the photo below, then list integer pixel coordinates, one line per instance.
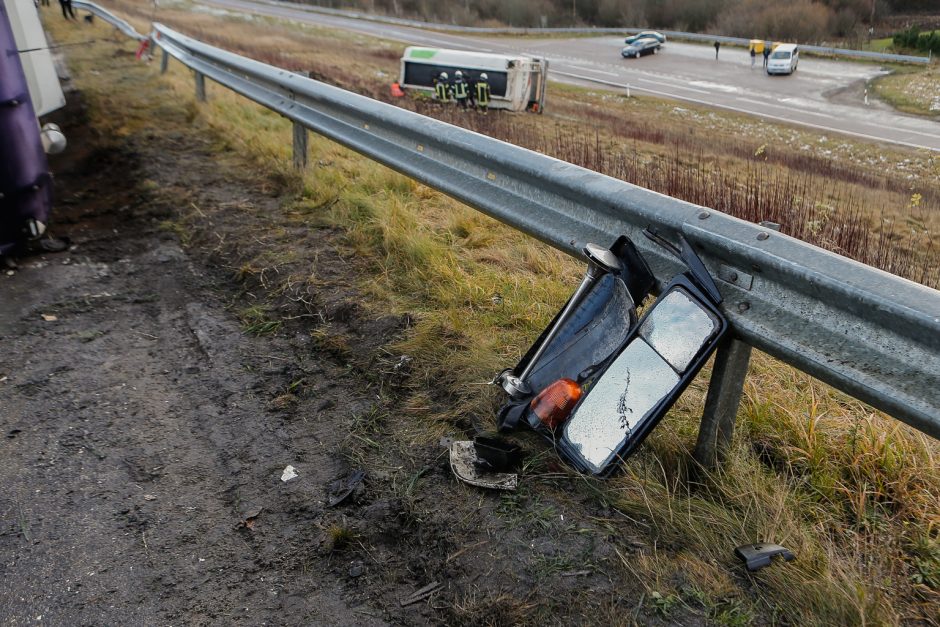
(912, 91)
(853, 493)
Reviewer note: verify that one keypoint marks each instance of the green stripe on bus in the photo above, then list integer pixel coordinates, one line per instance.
(423, 54)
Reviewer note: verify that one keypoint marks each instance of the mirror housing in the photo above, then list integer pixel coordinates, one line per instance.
(630, 371)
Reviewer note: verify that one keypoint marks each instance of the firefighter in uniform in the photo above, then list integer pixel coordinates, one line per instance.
(483, 93)
(461, 89)
(442, 88)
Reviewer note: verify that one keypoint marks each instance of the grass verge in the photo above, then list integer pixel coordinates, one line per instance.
(912, 90)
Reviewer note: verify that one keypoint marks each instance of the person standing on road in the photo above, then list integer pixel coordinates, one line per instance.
(766, 53)
(483, 93)
(717, 46)
(461, 90)
(442, 87)
(753, 56)
(67, 9)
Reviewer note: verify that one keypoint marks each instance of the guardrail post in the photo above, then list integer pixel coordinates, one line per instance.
(300, 146)
(164, 60)
(300, 137)
(200, 87)
(721, 404)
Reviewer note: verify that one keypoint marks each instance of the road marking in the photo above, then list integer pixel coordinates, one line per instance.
(692, 89)
(728, 89)
(590, 69)
(797, 109)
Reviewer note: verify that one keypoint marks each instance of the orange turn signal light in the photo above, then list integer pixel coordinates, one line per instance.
(553, 405)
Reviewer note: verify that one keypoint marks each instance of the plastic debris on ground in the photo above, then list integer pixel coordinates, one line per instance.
(472, 469)
(288, 474)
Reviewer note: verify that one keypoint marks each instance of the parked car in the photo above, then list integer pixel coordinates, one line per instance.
(641, 47)
(784, 59)
(645, 35)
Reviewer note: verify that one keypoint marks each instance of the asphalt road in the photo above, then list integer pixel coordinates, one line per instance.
(823, 94)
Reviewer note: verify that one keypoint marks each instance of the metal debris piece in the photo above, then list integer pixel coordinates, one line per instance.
(422, 594)
(467, 467)
(342, 488)
(757, 556)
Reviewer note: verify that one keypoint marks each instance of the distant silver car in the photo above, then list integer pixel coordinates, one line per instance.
(641, 47)
(646, 35)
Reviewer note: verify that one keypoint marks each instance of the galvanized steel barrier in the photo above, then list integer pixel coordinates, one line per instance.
(864, 331)
(110, 18)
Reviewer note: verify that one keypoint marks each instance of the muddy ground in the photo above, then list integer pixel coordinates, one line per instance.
(147, 426)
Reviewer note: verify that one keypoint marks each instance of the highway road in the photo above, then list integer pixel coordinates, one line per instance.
(823, 94)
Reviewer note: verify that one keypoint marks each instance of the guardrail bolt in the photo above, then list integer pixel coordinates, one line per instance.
(704, 215)
(763, 236)
(742, 307)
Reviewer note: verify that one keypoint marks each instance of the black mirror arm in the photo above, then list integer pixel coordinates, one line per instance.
(699, 272)
(687, 255)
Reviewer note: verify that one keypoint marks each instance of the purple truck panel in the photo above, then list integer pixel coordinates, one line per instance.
(25, 182)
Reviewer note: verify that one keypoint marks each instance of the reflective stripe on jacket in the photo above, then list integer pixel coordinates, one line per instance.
(483, 93)
(460, 90)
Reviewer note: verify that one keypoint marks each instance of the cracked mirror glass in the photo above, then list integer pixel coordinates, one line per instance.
(623, 396)
(677, 327)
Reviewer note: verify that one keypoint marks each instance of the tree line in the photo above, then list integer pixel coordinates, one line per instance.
(806, 21)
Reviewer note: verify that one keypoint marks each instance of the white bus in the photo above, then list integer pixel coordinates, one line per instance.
(42, 80)
(516, 83)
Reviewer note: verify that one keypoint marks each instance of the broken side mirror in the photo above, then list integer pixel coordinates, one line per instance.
(599, 415)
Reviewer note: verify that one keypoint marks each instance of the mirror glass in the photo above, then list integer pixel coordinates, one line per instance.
(645, 373)
(627, 391)
(678, 327)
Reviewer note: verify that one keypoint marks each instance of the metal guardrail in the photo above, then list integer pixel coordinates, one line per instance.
(110, 18)
(738, 41)
(866, 332)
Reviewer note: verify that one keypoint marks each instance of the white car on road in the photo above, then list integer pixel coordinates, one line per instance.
(783, 59)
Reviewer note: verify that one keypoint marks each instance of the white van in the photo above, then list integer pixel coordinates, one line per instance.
(783, 59)
(516, 83)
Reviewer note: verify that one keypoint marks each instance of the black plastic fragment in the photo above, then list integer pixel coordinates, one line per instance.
(757, 556)
(342, 488)
(498, 456)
